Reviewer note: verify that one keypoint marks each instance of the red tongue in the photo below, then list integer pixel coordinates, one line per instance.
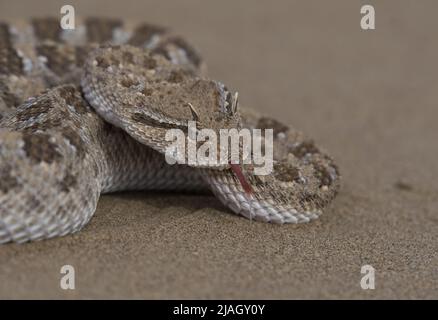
(239, 174)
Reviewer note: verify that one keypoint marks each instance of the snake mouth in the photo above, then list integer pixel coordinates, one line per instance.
(240, 176)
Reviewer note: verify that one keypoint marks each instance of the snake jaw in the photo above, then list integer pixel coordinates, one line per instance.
(239, 174)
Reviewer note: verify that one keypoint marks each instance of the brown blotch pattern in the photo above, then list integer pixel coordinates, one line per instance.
(306, 147)
(8, 98)
(147, 91)
(269, 123)
(128, 57)
(51, 121)
(69, 182)
(179, 42)
(59, 60)
(149, 62)
(10, 61)
(176, 76)
(326, 174)
(72, 98)
(39, 107)
(33, 202)
(39, 148)
(323, 175)
(47, 29)
(101, 29)
(103, 62)
(144, 33)
(162, 51)
(5, 37)
(81, 54)
(7, 180)
(286, 173)
(128, 82)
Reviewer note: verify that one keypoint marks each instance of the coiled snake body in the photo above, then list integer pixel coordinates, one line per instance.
(85, 112)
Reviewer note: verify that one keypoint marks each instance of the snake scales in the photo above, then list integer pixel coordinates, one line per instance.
(85, 112)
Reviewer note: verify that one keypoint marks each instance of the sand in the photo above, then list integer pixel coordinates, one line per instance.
(369, 97)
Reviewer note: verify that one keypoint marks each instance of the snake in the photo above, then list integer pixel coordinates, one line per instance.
(85, 112)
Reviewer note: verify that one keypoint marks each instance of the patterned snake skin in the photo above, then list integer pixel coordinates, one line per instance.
(84, 112)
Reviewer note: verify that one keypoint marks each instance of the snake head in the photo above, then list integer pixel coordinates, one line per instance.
(140, 85)
(211, 104)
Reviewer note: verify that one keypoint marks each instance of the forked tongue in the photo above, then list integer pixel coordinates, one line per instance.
(239, 174)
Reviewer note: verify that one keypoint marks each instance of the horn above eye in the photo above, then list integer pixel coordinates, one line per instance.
(195, 114)
(235, 103)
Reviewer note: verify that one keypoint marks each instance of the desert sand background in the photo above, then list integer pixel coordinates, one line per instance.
(369, 97)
